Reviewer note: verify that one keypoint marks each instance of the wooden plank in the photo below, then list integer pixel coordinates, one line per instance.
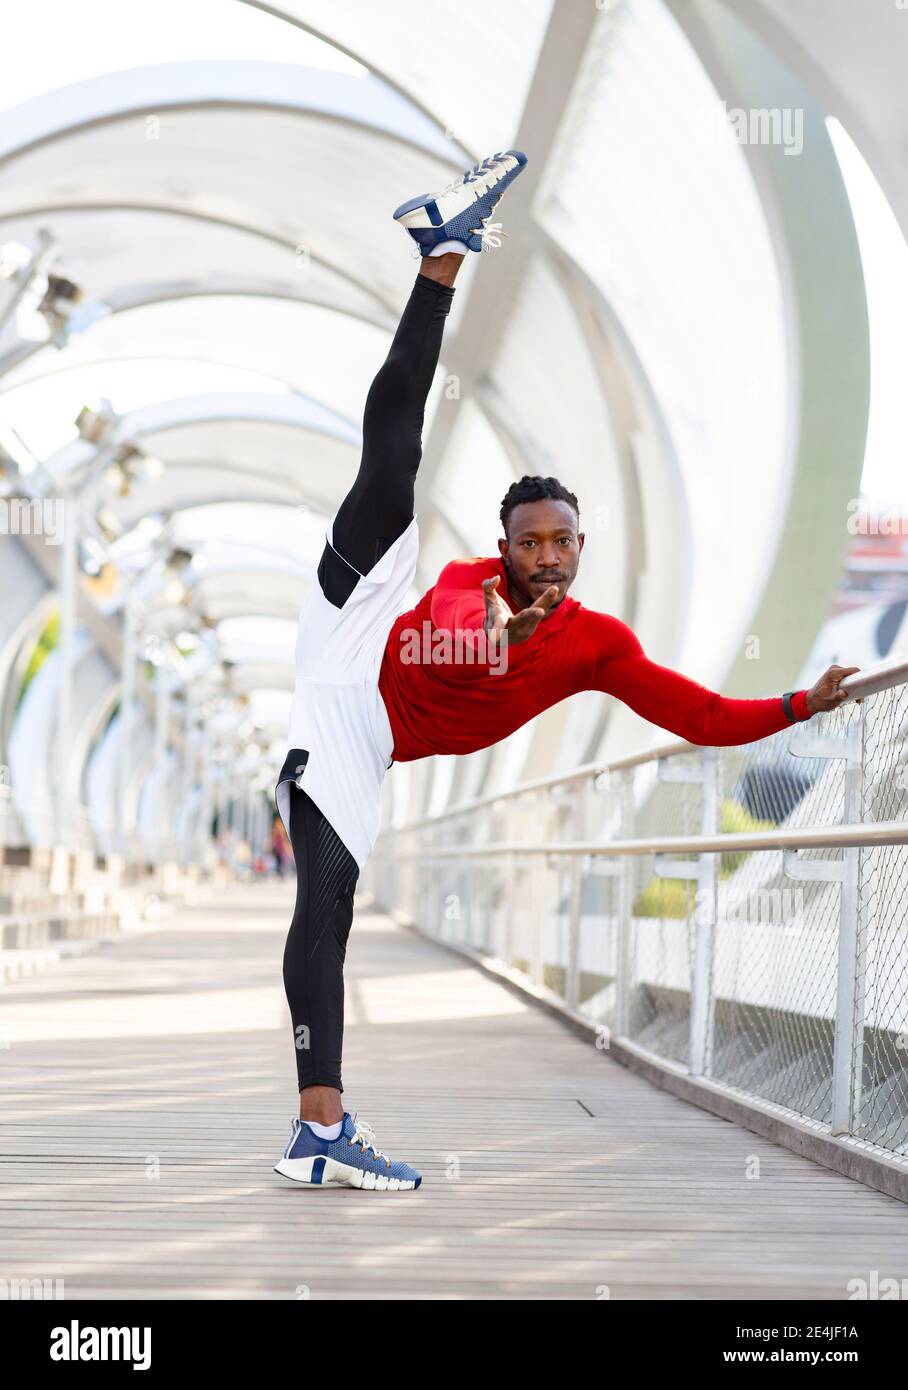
(174, 1045)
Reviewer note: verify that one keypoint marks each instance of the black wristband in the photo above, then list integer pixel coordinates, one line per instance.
(786, 705)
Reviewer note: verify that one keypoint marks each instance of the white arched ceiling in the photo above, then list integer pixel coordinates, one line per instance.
(808, 215)
(317, 127)
(129, 256)
(293, 154)
(469, 67)
(643, 334)
(852, 57)
(284, 448)
(313, 350)
(687, 265)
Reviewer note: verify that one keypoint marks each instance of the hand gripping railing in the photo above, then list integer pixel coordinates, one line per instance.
(734, 912)
(885, 675)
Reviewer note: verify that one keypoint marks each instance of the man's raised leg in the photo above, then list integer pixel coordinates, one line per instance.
(379, 506)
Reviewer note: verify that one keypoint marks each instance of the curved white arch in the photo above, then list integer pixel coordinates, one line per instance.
(366, 102)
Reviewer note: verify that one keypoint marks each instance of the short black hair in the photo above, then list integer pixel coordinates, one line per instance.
(535, 489)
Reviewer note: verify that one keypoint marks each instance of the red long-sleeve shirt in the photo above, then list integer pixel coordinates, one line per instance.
(461, 706)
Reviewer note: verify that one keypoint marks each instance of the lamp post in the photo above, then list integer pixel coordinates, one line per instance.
(127, 721)
(66, 648)
(161, 722)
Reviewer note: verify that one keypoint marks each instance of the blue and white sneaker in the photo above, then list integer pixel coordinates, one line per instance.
(351, 1160)
(461, 211)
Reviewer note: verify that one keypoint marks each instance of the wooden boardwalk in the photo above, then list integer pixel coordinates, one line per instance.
(148, 1089)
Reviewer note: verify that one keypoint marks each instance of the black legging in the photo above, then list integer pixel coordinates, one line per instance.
(379, 506)
(326, 875)
(377, 509)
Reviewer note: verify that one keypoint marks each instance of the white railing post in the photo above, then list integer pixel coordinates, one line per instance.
(538, 907)
(68, 585)
(848, 1043)
(704, 874)
(625, 908)
(510, 916)
(703, 999)
(569, 879)
(572, 966)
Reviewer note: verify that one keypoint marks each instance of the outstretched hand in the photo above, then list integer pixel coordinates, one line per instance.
(518, 626)
(827, 693)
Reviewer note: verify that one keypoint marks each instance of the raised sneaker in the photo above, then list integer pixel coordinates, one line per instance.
(462, 211)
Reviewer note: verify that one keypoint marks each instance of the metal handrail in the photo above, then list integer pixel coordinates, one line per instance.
(887, 832)
(563, 779)
(882, 676)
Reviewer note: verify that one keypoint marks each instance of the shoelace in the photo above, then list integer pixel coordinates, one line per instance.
(490, 233)
(365, 1134)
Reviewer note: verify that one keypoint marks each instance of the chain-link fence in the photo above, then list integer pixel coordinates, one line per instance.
(680, 899)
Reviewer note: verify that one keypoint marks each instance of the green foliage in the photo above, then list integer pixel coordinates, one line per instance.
(676, 897)
(666, 897)
(737, 820)
(45, 644)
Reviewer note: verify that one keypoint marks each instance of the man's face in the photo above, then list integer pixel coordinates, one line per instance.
(543, 548)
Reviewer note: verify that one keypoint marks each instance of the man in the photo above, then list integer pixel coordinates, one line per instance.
(362, 701)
